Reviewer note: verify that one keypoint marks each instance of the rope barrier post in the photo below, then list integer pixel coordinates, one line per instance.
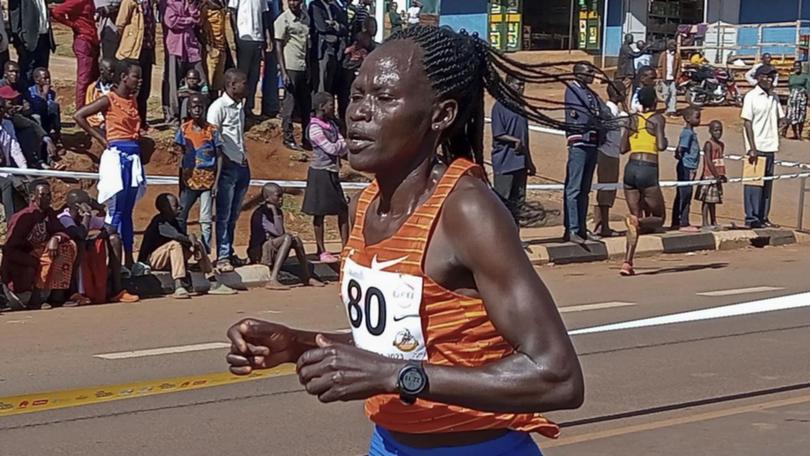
(802, 191)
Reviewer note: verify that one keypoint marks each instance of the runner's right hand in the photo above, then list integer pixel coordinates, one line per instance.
(257, 344)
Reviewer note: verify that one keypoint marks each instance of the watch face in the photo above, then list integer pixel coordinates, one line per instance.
(412, 380)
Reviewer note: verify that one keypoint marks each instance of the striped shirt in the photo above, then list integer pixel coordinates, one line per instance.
(327, 145)
(451, 329)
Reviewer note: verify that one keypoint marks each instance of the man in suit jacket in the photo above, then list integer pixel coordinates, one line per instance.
(31, 34)
(669, 69)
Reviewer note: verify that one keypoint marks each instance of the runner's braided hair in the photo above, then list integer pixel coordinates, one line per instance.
(461, 67)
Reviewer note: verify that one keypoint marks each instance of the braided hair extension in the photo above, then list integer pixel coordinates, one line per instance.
(461, 66)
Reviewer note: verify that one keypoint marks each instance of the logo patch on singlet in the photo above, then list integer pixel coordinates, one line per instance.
(384, 309)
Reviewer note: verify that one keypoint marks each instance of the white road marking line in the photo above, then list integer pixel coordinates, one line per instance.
(738, 291)
(597, 306)
(270, 312)
(164, 351)
(748, 308)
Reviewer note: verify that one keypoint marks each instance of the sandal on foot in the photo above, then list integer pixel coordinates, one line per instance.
(627, 270)
(80, 300)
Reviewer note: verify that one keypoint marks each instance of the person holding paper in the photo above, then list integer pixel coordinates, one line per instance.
(763, 118)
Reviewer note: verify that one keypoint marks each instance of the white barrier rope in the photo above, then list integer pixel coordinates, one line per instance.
(173, 180)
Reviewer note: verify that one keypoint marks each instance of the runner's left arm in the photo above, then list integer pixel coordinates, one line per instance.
(543, 373)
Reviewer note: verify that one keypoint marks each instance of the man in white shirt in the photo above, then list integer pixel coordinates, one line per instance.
(414, 11)
(669, 68)
(228, 116)
(750, 76)
(250, 23)
(762, 116)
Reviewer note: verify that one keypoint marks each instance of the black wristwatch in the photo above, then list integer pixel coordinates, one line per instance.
(411, 383)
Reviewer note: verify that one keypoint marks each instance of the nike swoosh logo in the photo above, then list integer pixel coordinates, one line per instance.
(398, 319)
(379, 266)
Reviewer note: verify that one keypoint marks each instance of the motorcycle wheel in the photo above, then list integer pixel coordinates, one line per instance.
(695, 98)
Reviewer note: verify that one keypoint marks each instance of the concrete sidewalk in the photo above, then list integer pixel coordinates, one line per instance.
(543, 247)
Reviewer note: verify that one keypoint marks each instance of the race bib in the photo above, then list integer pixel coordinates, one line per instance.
(384, 311)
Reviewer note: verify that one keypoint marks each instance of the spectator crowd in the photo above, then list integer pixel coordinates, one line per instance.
(78, 253)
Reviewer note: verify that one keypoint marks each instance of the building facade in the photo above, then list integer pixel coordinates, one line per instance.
(598, 26)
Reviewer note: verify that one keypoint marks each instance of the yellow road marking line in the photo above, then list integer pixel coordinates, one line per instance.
(676, 421)
(39, 402)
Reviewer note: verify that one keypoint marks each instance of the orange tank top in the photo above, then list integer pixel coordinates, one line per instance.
(397, 311)
(122, 119)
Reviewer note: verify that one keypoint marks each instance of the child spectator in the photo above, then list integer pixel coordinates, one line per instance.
(44, 107)
(166, 246)
(200, 146)
(97, 245)
(193, 83)
(714, 168)
(324, 195)
(122, 181)
(100, 89)
(270, 243)
(688, 156)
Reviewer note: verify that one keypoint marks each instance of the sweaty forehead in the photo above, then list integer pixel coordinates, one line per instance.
(397, 65)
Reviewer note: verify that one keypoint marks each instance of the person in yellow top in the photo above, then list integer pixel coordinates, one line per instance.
(645, 139)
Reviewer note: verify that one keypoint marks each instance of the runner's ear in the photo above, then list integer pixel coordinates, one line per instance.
(444, 115)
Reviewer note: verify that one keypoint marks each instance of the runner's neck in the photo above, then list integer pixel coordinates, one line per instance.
(400, 193)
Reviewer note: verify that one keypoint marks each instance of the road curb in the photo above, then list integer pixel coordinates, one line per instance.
(160, 283)
(539, 253)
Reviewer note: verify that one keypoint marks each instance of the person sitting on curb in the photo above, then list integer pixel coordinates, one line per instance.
(270, 243)
(166, 246)
(38, 255)
(98, 244)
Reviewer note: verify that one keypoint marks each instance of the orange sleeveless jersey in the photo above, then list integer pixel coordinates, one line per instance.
(456, 328)
(123, 121)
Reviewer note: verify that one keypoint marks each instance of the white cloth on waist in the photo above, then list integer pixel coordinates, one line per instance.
(110, 180)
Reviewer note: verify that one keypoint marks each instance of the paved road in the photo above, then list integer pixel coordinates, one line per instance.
(736, 385)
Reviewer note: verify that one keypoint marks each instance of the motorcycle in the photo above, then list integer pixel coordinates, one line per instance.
(709, 86)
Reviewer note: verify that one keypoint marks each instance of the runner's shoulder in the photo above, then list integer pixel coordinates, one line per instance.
(473, 208)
